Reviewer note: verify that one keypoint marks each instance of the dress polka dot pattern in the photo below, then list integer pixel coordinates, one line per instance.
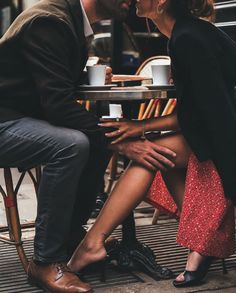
(206, 224)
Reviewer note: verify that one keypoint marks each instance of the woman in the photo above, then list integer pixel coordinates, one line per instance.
(204, 140)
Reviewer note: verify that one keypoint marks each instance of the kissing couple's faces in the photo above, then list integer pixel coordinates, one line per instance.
(148, 8)
(117, 9)
(144, 7)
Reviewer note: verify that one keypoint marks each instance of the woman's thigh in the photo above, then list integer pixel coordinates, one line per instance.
(177, 143)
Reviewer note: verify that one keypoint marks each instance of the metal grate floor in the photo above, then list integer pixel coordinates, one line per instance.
(161, 238)
(13, 279)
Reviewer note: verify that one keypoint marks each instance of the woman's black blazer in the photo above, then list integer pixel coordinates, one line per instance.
(204, 70)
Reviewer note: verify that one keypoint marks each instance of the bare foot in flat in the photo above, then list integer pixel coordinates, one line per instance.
(85, 254)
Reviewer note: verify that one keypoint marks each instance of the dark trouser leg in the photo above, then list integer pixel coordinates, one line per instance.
(29, 142)
(129, 230)
(88, 187)
(128, 225)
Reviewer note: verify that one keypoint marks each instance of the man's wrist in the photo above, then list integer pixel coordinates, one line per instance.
(118, 147)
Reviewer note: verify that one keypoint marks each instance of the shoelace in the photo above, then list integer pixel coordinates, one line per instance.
(62, 268)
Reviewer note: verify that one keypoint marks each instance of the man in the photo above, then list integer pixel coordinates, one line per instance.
(42, 57)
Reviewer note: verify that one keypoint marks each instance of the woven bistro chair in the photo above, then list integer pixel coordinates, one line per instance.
(14, 227)
(153, 108)
(169, 108)
(148, 109)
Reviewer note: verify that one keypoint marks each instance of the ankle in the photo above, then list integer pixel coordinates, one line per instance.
(95, 240)
(91, 245)
(194, 261)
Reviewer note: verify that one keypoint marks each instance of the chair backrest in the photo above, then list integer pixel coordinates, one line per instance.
(145, 69)
(152, 107)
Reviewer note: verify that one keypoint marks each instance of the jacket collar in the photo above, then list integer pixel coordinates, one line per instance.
(77, 17)
(88, 31)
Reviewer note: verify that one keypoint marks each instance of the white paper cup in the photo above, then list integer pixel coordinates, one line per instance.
(161, 74)
(115, 111)
(96, 74)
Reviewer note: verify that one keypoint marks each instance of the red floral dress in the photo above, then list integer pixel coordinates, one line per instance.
(206, 223)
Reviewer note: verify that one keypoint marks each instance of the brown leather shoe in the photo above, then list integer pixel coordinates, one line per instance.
(56, 278)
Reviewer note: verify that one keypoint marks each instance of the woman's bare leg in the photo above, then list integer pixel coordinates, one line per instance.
(127, 194)
(175, 183)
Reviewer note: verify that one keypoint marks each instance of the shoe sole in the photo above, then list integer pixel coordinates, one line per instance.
(187, 284)
(34, 283)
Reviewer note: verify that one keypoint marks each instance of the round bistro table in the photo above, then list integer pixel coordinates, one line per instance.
(128, 94)
(129, 239)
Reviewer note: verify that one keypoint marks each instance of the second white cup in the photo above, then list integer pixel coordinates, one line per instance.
(115, 111)
(161, 74)
(96, 74)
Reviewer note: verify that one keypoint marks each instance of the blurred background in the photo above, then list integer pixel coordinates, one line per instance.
(125, 45)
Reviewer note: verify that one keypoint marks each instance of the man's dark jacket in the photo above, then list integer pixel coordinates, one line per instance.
(42, 57)
(204, 68)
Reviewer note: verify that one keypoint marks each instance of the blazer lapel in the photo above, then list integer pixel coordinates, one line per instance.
(77, 18)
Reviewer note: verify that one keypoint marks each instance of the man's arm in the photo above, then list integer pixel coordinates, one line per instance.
(47, 47)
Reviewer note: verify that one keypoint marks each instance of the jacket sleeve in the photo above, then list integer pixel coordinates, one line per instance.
(199, 64)
(47, 47)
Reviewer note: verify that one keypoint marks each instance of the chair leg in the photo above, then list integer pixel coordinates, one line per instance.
(16, 236)
(156, 216)
(13, 218)
(38, 172)
(141, 111)
(224, 268)
(113, 171)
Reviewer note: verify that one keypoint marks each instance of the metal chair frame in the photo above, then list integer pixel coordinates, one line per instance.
(14, 228)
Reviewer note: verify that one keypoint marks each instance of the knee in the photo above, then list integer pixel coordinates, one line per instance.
(79, 144)
(74, 144)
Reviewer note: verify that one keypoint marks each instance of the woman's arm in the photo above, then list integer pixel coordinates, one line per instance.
(164, 123)
(128, 129)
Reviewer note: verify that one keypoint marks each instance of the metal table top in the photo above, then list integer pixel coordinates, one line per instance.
(127, 94)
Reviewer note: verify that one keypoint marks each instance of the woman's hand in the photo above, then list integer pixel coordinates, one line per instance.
(124, 130)
(108, 75)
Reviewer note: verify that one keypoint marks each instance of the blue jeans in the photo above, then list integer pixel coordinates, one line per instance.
(71, 177)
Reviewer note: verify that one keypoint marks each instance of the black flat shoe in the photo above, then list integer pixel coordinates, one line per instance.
(194, 278)
(191, 278)
(99, 267)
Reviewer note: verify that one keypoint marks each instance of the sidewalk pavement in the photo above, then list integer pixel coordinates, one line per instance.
(216, 281)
